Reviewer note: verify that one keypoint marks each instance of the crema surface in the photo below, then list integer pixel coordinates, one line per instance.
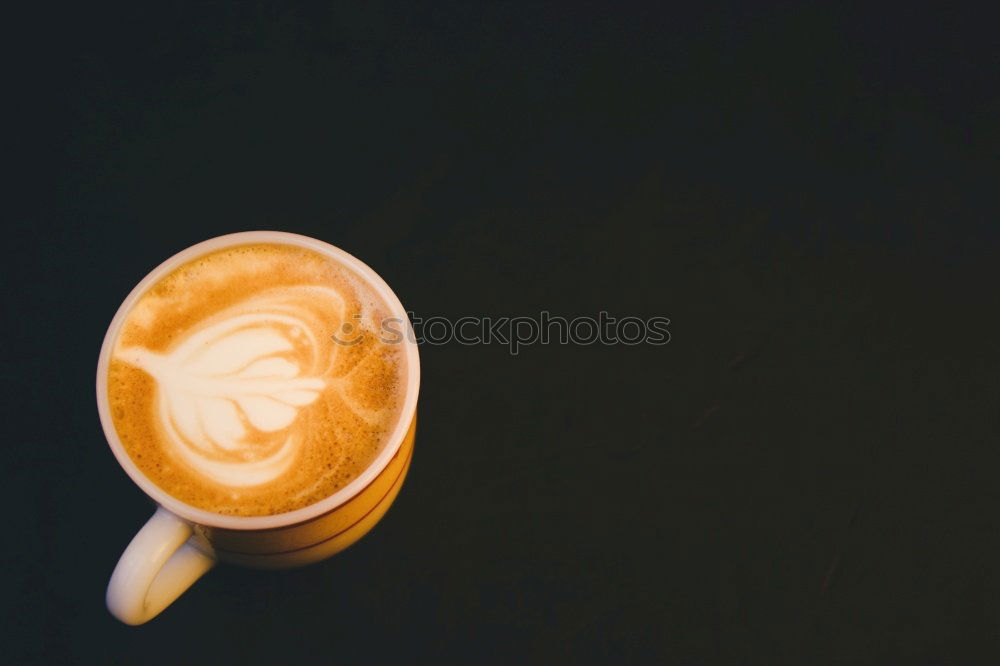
(255, 380)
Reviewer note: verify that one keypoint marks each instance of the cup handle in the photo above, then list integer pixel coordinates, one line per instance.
(156, 568)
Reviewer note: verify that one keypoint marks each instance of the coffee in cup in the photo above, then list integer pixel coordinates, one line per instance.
(256, 379)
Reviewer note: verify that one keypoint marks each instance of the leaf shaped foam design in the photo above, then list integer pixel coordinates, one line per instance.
(229, 392)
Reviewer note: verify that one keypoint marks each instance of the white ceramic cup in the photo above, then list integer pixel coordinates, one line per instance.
(180, 543)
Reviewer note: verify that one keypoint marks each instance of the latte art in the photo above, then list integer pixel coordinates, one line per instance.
(233, 392)
(240, 380)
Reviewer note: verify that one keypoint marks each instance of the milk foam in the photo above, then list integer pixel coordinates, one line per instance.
(233, 385)
(233, 377)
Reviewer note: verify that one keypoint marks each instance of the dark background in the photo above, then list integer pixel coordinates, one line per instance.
(806, 474)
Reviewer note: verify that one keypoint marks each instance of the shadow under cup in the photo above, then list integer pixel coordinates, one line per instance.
(290, 539)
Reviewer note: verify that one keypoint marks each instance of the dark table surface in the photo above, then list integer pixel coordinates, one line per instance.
(805, 474)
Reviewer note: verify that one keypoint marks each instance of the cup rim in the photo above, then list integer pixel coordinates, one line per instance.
(223, 521)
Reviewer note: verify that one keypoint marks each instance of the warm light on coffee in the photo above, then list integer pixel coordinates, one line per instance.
(231, 388)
